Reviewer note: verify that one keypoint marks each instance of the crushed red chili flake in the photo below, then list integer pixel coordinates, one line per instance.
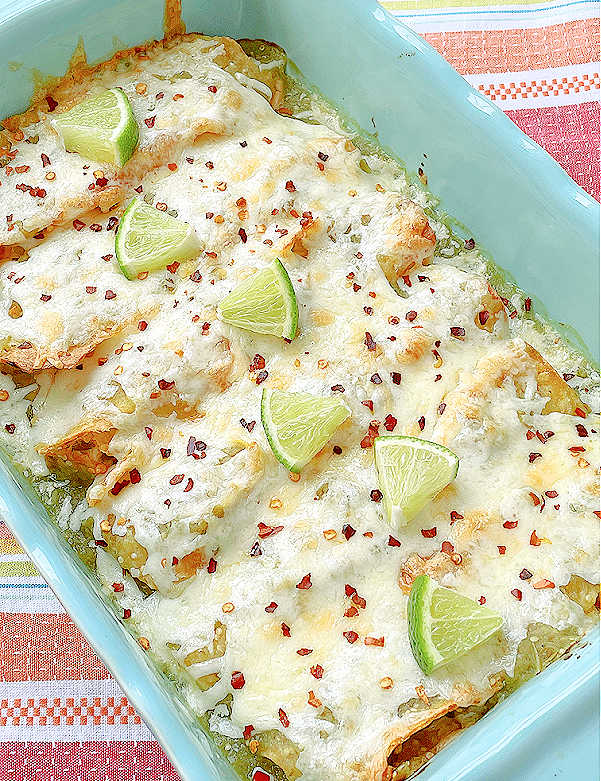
(351, 636)
(118, 487)
(369, 341)
(268, 531)
(356, 287)
(166, 384)
(176, 479)
(368, 310)
(359, 601)
(428, 533)
(568, 376)
(10, 428)
(551, 494)
(378, 641)
(483, 316)
(237, 680)
(502, 550)
(271, 607)
(165, 452)
(285, 629)
(517, 594)
(337, 449)
(530, 434)
(482, 600)
(527, 304)
(375, 495)
(290, 186)
(243, 236)
(411, 315)
(261, 377)
(455, 516)
(109, 295)
(282, 713)
(458, 332)
(351, 612)
(212, 566)
(421, 423)
(305, 582)
(45, 297)
(322, 156)
(576, 449)
(78, 224)
(349, 590)
(149, 121)
(134, 476)
(256, 551)
(390, 422)
(189, 485)
(348, 531)
(317, 671)
(442, 406)
(369, 404)
(580, 412)
(533, 456)
(447, 547)
(395, 377)
(337, 388)
(106, 258)
(118, 587)
(126, 611)
(525, 574)
(248, 731)
(582, 432)
(510, 524)
(304, 651)
(393, 542)
(534, 539)
(543, 583)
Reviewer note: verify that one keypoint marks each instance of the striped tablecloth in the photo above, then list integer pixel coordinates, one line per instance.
(62, 717)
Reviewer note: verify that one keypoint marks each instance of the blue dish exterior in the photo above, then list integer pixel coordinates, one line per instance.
(529, 214)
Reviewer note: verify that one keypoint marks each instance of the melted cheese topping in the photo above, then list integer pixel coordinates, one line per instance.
(165, 415)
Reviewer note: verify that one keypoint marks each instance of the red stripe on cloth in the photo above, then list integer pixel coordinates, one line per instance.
(86, 761)
(45, 647)
(571, 135)
(499, 51)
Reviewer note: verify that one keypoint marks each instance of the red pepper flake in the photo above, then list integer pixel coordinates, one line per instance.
(118, 487)
(134, 476)
(248, 731)
(356, 287)
(102, 181)
(483, 316)
(261, 377)
(411, 315)
(534, 539)
(455, 516)
(165, 452)
(351, 636)
(395, 377)
(52, 104)
(369, 404)
(271, 607)
(510, 524)
(576, 449)
(368, 310)
(189, 485)
(369, 342)
(243, 236)
(421, 423)
(268, 531)
(304, 651)
(390, 422)
(533, 456)
(458, 332)
(447, 547)
(530, 434)
(359, 601)
(597, 512)
(305, 582)
(337, 388)
(482, 600)
(442, 406)
(348, 531)
(337, 450)
(256, 551)
(378, 641)
(149, 121)
(393, 542)
(10, 428)
(525, 574)
(237, 680)
(285, 629)
(349, 590)
(428, 533)
(544, 583)
(106, 258)
(212, 88)
(173, 267)
(517, 594)
(351, 612)
(582, 432)
(45, 297)
(534, 497)
(258, 362)
(166, 384)
(176, 479)
(375, 495)
(317, 671)
(78, 225)
(118, 587)
(527, 304)
(212, 566)
(551, 494)
(282, 713)
(126, 611)
(290, 186)
(502, 550)
(580, 412)
(45, 160)
(109, 295)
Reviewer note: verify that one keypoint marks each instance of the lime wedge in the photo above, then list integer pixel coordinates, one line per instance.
(148, 239)
(444, 625)
(298, 425)
(411, 472)
(101, 128)
(264, 303)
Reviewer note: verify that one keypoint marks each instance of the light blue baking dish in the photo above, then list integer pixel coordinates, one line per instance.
(518, 202)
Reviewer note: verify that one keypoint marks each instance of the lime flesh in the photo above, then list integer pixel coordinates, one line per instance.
(148, 239)
(265, 303)
(298, 425)
(444, 625)
(101, 128)
(411, 472)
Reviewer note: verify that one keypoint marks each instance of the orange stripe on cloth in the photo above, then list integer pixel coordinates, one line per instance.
(501, 51)
(45, 647)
